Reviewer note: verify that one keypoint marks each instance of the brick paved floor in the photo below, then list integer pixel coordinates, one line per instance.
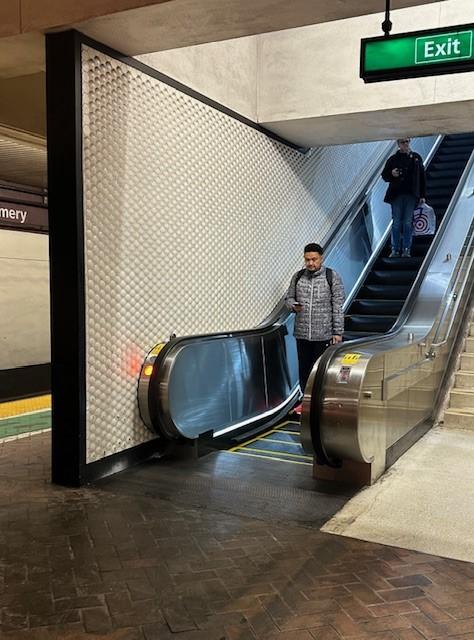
(95, 564)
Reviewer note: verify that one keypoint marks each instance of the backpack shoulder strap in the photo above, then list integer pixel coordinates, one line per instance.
(298, 277)
(329, 277)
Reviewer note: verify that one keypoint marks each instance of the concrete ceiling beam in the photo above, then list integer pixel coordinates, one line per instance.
(142, 26)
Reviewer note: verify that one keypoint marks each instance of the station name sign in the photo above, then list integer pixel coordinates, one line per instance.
(417, 54)
(23, 217)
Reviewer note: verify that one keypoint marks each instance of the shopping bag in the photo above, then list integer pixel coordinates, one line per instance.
(424, 221)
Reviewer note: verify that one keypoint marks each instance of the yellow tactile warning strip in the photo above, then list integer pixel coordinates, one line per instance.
(273, 458)
(24, 406)
(294, 444)
(277, 444)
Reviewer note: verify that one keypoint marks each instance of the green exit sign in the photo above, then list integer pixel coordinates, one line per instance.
(421, 53)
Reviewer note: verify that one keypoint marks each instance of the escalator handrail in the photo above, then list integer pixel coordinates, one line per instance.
(162, 364)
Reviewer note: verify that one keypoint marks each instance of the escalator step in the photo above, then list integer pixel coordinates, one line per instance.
(449, 142)
(449, 161)
(376, 307)
(433, 196)
(434, 190)
(422, 240)
(420, 251)
(385, 292)
(355, 335)
(460, 136)
(438, 207)
(458, 156)
(420, 245)
(391, 277)
(439, 191)
(399, 264)
(449, 165)
(359, 322)
(448, 183)
(439, 198)
(454, 151)
(433, 173)
(453, 147)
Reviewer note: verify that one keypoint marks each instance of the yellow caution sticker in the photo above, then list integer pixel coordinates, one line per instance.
(156, 350)
(350, 358)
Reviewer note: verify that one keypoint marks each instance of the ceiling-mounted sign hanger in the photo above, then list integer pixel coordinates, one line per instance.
(416, 54)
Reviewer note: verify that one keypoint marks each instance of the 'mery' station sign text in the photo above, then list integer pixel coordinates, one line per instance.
(421, 53)
(23, 217)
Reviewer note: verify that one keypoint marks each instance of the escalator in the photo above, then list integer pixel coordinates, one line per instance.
(230, 384)
(377, 304)
(368, 401)
(225, 385)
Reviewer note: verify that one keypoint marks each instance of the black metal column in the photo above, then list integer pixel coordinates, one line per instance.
(66, 246)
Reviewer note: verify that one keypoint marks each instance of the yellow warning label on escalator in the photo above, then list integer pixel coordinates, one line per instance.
(156, 350)
(350, 358)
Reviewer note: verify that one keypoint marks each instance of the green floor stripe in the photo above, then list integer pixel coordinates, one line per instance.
(25, 424)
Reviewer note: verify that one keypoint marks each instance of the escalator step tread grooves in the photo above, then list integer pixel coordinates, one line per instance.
(447, 183)
(459, 144)
(375, 307)
(440, 190)
(354, 335)
(398, 264)
(454, 153)
(386, 287)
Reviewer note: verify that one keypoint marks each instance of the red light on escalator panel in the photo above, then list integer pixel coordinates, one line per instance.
(148, 370)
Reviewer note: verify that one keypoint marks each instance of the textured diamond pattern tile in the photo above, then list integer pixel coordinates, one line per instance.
(194, 223)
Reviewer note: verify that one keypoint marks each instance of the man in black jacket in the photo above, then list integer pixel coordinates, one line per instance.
(407, 190)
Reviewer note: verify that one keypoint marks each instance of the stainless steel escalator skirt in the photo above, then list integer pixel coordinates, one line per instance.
(362, 397)
(219, 383)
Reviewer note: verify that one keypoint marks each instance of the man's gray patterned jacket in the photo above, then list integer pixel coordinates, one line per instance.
(321, 316)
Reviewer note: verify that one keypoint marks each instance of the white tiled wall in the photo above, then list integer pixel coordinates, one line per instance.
(194, 223)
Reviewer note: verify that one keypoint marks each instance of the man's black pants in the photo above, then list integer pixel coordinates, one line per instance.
(308, 352)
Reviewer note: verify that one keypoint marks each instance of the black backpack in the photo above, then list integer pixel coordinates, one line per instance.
(329, 277)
